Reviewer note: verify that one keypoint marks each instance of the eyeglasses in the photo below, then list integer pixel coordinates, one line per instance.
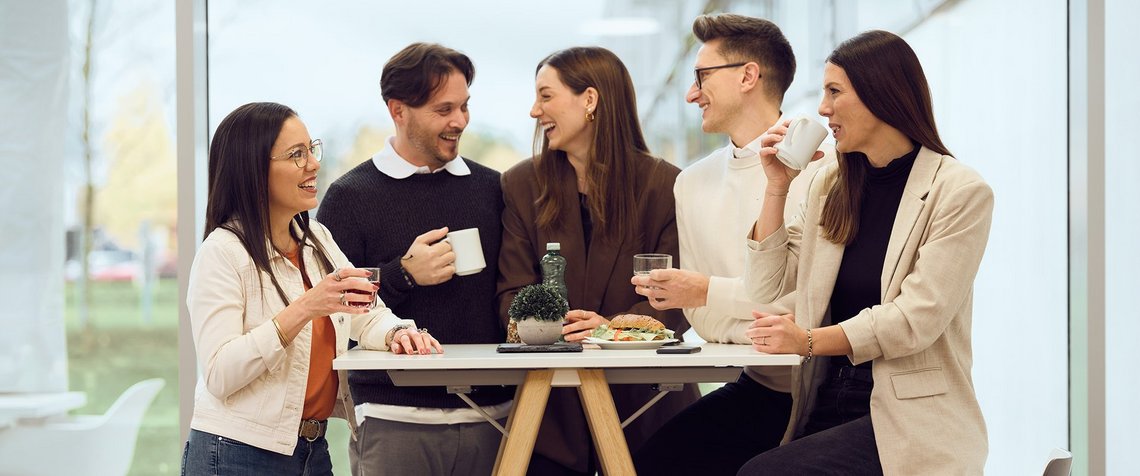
(300, 154)
(697, 71)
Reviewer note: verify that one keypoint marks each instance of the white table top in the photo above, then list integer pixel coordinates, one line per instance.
(14, 406)
(483, 356)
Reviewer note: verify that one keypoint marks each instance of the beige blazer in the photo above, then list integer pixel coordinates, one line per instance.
(923, 407)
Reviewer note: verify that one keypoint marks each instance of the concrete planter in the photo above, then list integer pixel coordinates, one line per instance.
(534, 331)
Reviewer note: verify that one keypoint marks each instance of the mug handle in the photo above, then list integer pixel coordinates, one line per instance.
(791, 130)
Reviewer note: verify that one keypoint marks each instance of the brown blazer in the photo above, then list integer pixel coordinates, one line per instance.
(597, 280)
(923, 407)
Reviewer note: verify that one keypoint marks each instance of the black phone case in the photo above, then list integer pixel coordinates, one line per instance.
(679, 349)
(559, 347)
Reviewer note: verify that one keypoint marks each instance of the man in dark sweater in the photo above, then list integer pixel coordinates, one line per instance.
(392, 211)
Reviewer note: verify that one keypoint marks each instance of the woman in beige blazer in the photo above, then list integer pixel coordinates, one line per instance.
(879, 270)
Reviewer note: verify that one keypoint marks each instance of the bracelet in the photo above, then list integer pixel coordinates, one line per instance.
(407, 278)
(392, 333)
(809, 355)
(280, 335)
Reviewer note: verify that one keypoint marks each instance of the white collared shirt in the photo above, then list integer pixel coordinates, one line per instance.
(390, 163)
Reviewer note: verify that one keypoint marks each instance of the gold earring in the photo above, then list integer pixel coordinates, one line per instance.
(590, 115)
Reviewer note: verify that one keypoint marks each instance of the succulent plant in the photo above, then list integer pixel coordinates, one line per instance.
(538, 301)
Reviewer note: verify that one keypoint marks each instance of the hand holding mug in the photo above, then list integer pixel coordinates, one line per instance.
(430, 260)
(787, 148)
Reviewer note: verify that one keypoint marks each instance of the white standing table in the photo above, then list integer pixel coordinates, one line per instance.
(591, 371)
(21, 406)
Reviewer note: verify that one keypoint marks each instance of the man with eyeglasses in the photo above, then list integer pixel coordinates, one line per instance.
(393, 211)
(743, 68)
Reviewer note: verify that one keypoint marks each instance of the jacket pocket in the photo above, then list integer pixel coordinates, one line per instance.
(919, 383)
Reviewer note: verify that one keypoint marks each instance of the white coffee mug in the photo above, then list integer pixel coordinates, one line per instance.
(468, 251)
(800, 143)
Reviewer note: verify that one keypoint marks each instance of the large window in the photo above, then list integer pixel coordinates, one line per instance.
(89, 210)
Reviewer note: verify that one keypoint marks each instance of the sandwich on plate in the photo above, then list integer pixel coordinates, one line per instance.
(633, 327)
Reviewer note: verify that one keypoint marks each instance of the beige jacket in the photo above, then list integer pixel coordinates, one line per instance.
(251, 389)
(923, 407)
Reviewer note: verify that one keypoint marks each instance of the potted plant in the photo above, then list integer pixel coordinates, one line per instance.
(538, 309)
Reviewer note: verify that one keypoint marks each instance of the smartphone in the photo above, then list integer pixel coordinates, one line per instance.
(679, 349)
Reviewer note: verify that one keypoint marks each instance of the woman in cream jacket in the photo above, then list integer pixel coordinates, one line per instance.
(879, 270)
(270, 306)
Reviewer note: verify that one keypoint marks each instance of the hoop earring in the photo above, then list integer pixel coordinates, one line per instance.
(590, 116)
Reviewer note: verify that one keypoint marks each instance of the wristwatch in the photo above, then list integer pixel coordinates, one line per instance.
(407, 277)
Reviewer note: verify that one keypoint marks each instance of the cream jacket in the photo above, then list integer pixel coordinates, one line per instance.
(923, 407)
(250, 388)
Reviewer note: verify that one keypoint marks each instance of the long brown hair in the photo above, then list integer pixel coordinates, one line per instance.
(887, 77)
(238, 196)
(617, 143)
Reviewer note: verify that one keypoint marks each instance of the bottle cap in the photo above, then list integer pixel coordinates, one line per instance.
(553, 247)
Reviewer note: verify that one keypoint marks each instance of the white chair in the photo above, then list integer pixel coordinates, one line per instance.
(82, 444)
(1060, 463)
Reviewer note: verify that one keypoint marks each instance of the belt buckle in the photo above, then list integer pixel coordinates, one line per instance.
(310, 430)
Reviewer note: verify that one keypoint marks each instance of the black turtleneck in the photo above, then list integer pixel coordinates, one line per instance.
(857, 286)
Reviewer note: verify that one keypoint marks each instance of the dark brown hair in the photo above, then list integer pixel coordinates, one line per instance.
(417, 71)
(238, 196)
(618, 143)
(887, 77)
(751, 39)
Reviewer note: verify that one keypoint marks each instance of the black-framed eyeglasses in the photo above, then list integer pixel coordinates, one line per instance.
(698, 71)
(300, 154)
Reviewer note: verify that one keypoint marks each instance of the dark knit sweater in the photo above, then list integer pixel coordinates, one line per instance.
(858, 283)
(374, 218)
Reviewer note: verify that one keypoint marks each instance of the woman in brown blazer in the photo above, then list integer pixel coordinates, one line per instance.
(594, 188)
(879, 269)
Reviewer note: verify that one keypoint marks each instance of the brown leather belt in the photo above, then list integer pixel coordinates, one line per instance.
(312, 429)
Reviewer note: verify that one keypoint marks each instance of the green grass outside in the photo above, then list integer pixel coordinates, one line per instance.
(118, 349)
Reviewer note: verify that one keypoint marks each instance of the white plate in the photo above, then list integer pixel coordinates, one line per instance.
(628, 344)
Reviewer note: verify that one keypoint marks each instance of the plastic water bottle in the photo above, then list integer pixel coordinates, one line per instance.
(554, 269)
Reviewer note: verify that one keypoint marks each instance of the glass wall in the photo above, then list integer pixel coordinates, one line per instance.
(89, 262)
(997, 71)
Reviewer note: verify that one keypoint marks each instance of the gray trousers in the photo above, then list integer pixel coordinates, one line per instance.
(385, 447)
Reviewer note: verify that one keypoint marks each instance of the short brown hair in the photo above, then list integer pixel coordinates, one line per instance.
(746, 38)
(417, 71)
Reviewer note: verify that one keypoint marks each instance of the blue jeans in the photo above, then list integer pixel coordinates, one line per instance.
(208, 454)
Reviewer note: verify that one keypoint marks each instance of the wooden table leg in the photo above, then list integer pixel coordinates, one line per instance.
(523, 423)
(601, 414)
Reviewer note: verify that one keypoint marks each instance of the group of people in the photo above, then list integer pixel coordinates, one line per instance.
(863, 263)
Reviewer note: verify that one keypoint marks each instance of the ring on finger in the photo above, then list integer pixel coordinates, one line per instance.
(343, 298)
(336, 276)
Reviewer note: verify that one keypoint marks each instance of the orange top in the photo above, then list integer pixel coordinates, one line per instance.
(320, 393)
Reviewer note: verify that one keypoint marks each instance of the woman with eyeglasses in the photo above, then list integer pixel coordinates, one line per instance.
(272, 301)
(878, 272)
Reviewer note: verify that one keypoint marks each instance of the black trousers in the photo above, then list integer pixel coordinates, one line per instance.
(838, 438)
(718, 433)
